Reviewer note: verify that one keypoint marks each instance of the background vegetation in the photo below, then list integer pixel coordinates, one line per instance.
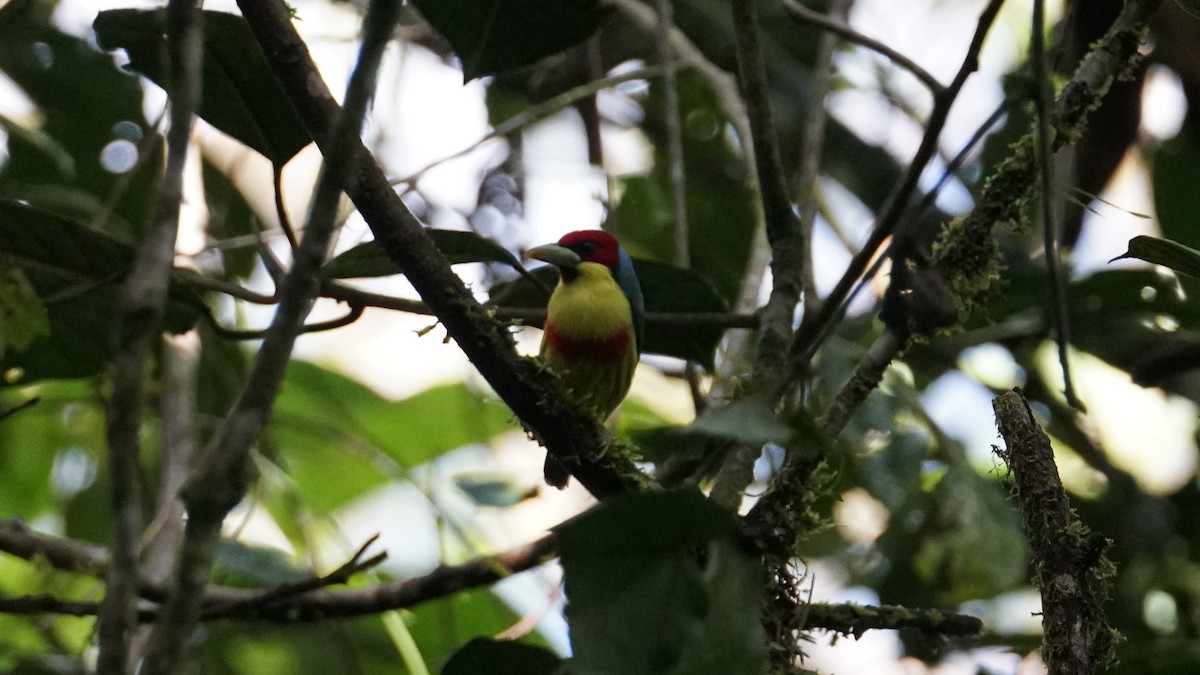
(151, 430)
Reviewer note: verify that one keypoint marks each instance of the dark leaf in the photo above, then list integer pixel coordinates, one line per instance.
(501, 657)
(494, 36)
(77, 273)
(240, 94)
(490, 488)
(1175, 172)
(975, 545)
(638, 602)
(1172, 254)
(88, 155)
(240, 564)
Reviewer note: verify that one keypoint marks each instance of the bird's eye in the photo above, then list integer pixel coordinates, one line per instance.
(587, 247)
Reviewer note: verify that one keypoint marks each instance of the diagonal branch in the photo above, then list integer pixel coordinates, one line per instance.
(532, 394)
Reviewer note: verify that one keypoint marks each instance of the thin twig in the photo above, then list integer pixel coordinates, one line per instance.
(811, 333)
(142, 307)
(285, 592)
(233, 290)
(1042, 99)
(285, 223)
(675, 178)
(536, 113)
(311, 605)
(803, 14)
(354, 314)
(722, 84)
(534, 317)
(221, 476)
(62, 553)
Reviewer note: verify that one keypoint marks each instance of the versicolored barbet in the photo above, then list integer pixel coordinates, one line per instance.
(593, 327)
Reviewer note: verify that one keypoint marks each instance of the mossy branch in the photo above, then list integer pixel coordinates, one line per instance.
(965, 250)
(1070, 568)
(852, 619)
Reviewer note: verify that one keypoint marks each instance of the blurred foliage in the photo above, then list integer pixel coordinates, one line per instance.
(656, 582)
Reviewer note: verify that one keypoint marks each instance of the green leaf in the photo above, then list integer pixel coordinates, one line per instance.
(501, 657)
(638, 602)
(322, 416)
(721, 208)
(440, 627)
(77, 273)
(1182, 259)
(665, 289)
(671, 290)
(23, 318)
(494, 36)
(68, 416)
(240, 94)
(246, 565)
(490, 488)
(368, 259)
(1175, 173)
(750, 419)
(977, 547)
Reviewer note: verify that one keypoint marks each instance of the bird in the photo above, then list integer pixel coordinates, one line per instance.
(594, 325)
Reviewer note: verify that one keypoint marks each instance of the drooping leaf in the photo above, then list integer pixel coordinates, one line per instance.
(750, 419)
(501, 657)
(41, 152)
(666, 289)
(240, 94)
(494, 36)
(1172, 254)
(369, 260)
(369, 428)
(638, 602)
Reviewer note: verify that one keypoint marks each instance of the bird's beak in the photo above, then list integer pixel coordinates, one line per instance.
(559, 256)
